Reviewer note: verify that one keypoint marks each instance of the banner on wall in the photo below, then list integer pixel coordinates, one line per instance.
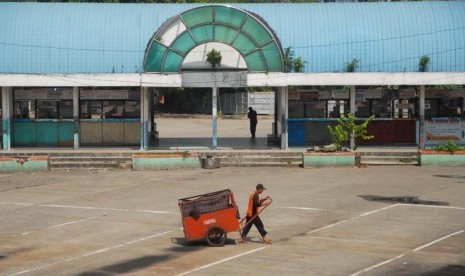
(441, 130)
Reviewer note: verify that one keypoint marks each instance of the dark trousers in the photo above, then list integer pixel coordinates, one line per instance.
(258, 223)
(253, 128)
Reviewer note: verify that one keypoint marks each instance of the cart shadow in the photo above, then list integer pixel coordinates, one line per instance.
(128, 266)
(193, 244)
(132, 265)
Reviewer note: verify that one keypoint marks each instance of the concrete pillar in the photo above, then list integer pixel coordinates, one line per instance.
(284, 116)
(7, 113)
(421, 116)
(215, 117)
(144, 119)
(278, 112)
(77, 125)
(352, 110)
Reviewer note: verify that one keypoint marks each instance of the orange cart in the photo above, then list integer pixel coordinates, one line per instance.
(209, 216)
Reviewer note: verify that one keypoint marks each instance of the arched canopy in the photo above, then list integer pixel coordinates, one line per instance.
(238, 29)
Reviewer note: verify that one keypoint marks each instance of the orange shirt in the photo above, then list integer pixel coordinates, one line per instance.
(254, 203)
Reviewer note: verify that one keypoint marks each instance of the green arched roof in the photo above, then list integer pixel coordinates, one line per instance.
(241, 30)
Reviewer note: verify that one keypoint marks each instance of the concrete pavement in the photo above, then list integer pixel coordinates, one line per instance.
(108, 222)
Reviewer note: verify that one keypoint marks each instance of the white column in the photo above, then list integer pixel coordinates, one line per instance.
(7, 111)
(284, 116)
(214, 117)
(144, 119)
(77, 125)
(421, 116)
(352, 110)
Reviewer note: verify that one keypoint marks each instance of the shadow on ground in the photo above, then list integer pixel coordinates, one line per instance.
(451, 176)
(403, 199)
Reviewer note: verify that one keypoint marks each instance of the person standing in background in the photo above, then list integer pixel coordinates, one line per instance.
(252, 115)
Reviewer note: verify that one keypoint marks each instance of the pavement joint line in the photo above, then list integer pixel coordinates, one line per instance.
(59, 225)
(402, 255)
(222, 261)
(89, 254)
(90, 208)
(301, 208)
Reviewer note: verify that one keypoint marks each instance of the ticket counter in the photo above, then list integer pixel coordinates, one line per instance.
(42, 118)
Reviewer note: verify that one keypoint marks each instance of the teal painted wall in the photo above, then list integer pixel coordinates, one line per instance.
(10, 166)
(328, 160)
(42, 133)
(165, 163)
(441, 159)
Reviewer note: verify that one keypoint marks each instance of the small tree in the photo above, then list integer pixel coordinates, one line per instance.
(423, 63)
(299, 65)
(214, 57)
(352, 66)
(292, 64)
(347, 128)
(288, 59)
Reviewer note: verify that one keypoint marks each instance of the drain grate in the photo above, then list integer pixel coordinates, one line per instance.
(403, 199)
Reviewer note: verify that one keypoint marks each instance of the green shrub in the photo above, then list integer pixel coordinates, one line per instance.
(214, 57)
(449, 146)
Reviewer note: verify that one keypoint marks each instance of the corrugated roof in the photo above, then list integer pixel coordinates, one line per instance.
(104, 38)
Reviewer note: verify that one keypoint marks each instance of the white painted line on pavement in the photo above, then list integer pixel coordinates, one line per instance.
(376, 265)
(349, 219)
(222, 261)
(353, 240)
(436, 241)
(378, 210)
(58, 225)
(433, 206)
(89, 208)
(402, 255)
(89, 254)
(16, 203)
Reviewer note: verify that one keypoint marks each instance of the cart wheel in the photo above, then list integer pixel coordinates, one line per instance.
(216, 236)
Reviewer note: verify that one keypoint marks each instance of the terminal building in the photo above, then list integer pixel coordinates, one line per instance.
(86, 74)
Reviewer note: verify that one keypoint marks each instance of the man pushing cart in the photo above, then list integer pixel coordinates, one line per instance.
(252, 215)
(211, 216)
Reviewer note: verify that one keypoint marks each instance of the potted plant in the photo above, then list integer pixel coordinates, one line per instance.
(214, 57)
(447, 154)
(423, 63)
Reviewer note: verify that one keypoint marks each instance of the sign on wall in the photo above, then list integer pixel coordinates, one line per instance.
(104, 94)
(441, 130)
(43, 94)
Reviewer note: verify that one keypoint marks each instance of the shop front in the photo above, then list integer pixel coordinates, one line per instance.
(110, 117)
(444, 116)
(43, 117)
(311, 111)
